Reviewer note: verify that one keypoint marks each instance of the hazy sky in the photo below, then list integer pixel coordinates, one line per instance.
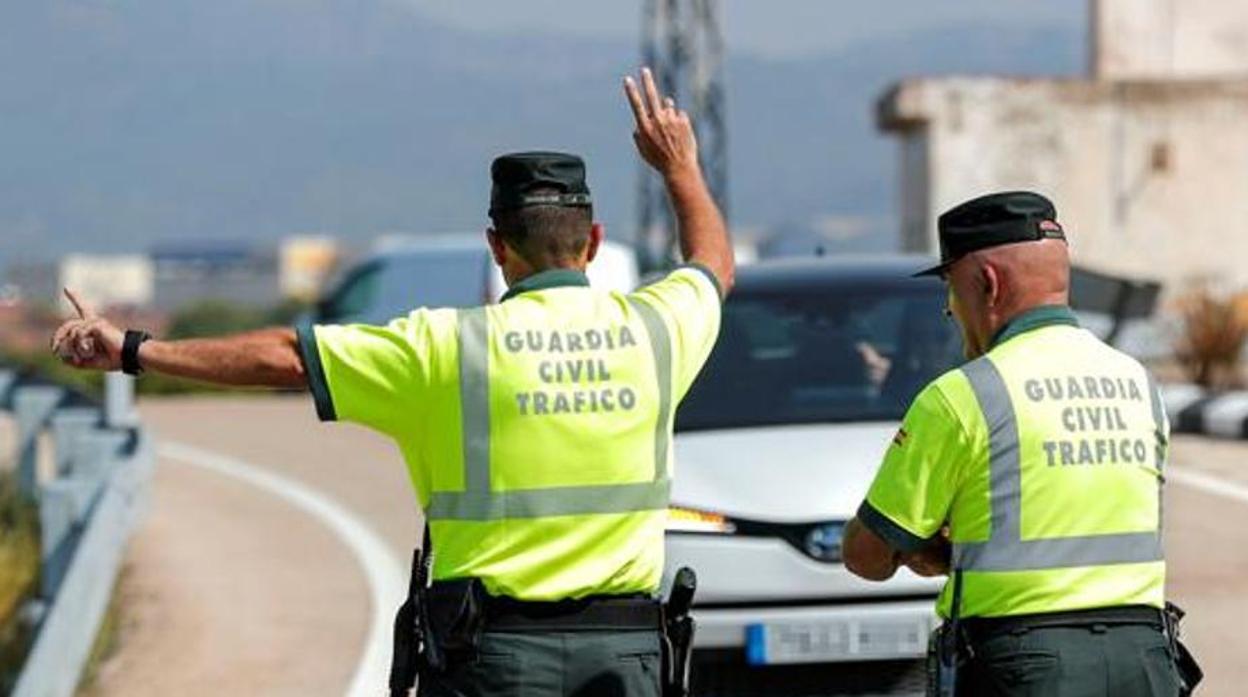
(293, 128)
(775, 28)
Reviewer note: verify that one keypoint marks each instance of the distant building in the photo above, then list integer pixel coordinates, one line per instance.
(305, 264)
(1147, 159)
(109, 280)
(195, 271)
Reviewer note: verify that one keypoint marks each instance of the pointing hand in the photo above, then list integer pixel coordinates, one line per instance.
(89, 342)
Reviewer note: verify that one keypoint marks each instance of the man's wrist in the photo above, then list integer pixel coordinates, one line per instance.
(682, 175)
(131, 343)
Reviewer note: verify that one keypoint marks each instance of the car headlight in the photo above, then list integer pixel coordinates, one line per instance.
(691, 520)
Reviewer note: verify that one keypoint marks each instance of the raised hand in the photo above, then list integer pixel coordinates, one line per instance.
(89, 342)
(664, 134)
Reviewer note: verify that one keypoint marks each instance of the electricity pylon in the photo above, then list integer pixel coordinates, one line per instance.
(682, 42)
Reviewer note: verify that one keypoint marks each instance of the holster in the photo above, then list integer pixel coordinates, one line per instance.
(454, 622)
(946, 648)
(679, 628)
(945, 654)
(412, 649)
(1190, 673)
(409, 631)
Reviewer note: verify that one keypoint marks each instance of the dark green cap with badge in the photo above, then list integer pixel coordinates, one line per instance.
(993, 220)
(525, 179)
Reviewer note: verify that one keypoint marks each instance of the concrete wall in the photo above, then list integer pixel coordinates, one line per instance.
(1169, 38)
(1149, 178)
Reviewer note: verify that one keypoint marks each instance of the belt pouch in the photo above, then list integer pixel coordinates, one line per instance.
(457, 617)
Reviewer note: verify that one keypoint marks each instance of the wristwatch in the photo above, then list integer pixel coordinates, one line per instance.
(130, 351)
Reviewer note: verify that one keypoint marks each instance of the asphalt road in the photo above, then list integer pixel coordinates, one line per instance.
(230, 589)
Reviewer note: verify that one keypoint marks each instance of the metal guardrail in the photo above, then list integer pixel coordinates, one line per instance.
(88, 506)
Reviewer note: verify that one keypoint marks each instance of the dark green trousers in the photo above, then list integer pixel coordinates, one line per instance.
(1105, 661)
(555, 664)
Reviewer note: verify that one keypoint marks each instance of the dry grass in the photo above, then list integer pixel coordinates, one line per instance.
(19, 572)
(106, 641)
(1214, 332)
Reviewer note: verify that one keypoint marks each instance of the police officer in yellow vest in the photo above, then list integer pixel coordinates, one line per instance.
(1034, 472)
(537, 431)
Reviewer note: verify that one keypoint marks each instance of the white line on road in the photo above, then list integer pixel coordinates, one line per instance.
(1208, 484)
(386, 578)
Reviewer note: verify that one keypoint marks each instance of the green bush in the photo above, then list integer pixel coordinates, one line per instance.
(47, 366)
(216, 317)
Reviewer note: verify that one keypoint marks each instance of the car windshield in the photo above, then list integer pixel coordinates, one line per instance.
(451, 278)
(392, 287)
(826, 354)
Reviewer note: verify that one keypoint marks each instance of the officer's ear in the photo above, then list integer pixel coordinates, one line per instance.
(498, 248)
(991, 285)
(597, 233)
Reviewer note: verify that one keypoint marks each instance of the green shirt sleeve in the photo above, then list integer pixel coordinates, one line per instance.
(376, 376)
(910, 498)
(688, 301)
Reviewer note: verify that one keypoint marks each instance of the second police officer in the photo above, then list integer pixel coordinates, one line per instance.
(1033, 475)
(537, 431)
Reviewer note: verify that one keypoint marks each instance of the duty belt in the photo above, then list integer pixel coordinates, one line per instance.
(585, 614)
(980, 628)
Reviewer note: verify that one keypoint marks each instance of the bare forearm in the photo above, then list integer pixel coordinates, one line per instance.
(867, 555)
(263, 358)
(703, 234)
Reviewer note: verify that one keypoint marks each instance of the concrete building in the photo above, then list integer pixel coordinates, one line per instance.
(1169, 39)
(305, 264)
(109, 280)
(1146, 158)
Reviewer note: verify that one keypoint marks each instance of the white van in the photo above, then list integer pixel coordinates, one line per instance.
(442, 271)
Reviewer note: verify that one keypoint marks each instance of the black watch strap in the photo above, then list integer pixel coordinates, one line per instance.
(130, 351)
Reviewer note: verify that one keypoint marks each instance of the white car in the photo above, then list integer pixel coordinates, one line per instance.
(776, 445)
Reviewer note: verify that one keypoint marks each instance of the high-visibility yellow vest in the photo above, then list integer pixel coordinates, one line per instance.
(1044, 457)
(537, 431)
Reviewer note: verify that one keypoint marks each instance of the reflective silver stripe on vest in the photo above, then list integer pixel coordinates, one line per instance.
(474, 397)
(661, 344)
(1163, 445)
(1005, 549)
(478, 502)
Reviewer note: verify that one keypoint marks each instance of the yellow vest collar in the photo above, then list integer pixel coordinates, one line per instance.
(1036, 317)
(550, 278)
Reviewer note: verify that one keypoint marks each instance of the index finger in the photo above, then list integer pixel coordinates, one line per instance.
(634, 100)
(654, 103)
(83, 311)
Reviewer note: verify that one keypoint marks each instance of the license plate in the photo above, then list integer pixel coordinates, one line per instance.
(826, 641)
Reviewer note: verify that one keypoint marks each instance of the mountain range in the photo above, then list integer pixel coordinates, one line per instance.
(126, 124)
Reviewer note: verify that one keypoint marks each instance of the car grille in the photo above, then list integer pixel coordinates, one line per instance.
(798, 535)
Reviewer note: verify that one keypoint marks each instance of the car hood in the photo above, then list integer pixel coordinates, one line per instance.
(785, 474)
